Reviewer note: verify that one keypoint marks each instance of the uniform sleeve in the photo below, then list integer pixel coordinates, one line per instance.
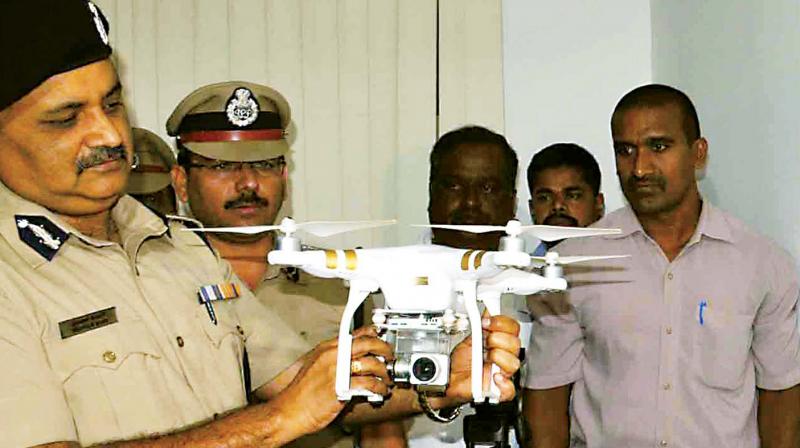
(33, 409)
(555, 349)
(776, 343)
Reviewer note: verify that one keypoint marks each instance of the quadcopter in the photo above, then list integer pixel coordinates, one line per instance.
(431, 292)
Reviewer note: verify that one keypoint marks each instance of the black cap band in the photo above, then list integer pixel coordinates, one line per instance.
(42, 38)
(218, 121)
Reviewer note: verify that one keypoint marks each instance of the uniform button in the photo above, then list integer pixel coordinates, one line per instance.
(109, 356)
(669, 276)
(303, 333)
(669, 330)
(667, 386)
(663, 443)
(180, 341)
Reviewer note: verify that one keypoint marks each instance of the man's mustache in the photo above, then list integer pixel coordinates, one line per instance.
(246, 199)
(635, 182)
(560, 216)
(99, 156)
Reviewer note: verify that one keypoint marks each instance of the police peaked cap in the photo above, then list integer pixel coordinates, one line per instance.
(233, 121)
(43, 38)
(155, 159)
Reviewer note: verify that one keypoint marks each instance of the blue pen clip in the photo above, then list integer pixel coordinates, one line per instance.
(701, 307)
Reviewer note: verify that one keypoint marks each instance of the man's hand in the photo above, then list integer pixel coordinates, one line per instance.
(311, 396)
(501, 346)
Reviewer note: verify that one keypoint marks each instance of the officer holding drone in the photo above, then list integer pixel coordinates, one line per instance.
(117, 325)
(234, 173)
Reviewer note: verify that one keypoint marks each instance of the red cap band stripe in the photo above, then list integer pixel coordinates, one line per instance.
(231, 136)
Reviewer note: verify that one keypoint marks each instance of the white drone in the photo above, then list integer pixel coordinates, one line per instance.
(431, 292)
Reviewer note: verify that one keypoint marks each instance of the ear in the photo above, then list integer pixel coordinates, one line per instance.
(179, 182)
(599, 206)
(700, 148)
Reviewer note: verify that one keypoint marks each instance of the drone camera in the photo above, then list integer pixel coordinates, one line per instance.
(422, 343)
(425, 371)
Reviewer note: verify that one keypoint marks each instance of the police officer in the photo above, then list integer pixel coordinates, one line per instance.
(114, 324)
(149, 180)
(233, 172)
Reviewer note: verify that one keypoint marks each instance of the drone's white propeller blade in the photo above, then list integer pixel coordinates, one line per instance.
(465, 228)
(248, 230)
(576, 259)
(329, 228)
(555, 233)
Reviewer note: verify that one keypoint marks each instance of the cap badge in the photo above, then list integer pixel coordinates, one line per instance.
(101, 30)
(242, 108)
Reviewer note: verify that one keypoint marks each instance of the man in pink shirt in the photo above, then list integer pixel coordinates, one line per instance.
(690, 342)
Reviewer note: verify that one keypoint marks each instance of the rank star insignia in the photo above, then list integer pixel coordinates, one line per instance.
(242, 109)
(101, 29)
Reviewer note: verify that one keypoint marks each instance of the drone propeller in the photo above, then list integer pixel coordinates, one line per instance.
(329, 228)
(552, 258)
(289, 226)
(514, 228)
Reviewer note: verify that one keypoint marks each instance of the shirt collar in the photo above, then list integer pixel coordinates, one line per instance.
(712, 224)
(135, 222)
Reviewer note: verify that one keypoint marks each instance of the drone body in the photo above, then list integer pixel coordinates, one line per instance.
(431, 293)
(412, 278)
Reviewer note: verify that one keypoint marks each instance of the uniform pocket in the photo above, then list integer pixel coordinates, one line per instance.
(722, 347)
(113, 379)
(105, 348)
(227, 339)
(226, 331)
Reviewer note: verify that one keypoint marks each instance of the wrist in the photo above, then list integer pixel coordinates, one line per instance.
(287, 420)
(439, 402)
(438, 408)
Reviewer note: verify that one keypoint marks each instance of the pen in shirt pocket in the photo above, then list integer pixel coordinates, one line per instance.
(701, 309)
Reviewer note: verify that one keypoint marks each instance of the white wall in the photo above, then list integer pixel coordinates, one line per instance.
(740, 66)
(566, 64)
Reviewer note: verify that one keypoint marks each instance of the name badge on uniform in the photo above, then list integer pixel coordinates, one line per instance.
(212, 293)
(87, 322)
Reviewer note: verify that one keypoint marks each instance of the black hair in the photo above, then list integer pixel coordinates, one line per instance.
(474, 135)
(566, 155)
(656, 95)
(184, 155)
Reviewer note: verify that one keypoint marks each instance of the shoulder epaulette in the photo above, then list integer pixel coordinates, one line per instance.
(41, 234)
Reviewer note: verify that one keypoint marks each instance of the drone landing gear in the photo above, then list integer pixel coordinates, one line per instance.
(359, 290)
(468, 289)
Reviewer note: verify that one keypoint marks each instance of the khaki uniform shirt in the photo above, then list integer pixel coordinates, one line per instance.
(669, 353)
(312, 307)
(162, 366)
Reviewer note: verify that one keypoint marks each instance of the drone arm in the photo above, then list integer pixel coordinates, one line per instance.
(359, 290)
